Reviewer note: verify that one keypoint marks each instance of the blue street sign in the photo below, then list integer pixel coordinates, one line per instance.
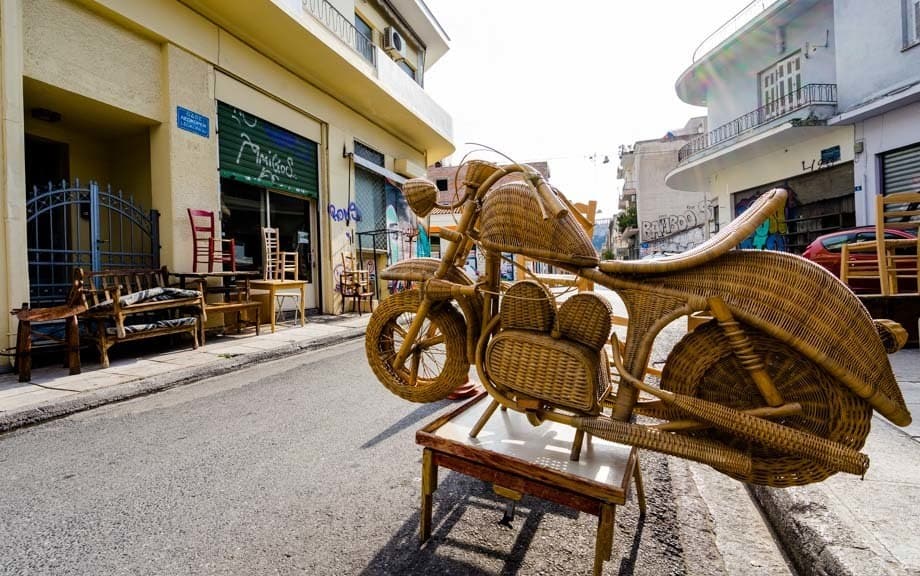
(193, 122)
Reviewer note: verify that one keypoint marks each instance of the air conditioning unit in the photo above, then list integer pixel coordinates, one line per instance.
(393, 43)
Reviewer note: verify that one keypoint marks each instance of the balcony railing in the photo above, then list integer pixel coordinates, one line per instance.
(808, 95)
(342, 27)
(734, 24)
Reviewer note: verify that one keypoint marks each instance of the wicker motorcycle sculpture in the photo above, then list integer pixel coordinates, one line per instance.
(778, 389)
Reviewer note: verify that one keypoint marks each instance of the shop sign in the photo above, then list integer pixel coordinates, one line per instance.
(263, 154)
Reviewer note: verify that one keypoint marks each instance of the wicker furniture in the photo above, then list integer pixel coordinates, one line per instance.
(125, 305)
(518, 459)
(897, 260)
(355, 284)
(778, 389)
(207, 248)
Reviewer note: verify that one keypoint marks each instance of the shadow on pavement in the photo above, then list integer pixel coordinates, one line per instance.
(420, 413)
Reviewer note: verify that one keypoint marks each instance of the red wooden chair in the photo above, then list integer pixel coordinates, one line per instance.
(206, 248)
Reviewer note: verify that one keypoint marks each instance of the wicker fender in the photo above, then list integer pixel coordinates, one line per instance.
(421, 269)
(808, 309)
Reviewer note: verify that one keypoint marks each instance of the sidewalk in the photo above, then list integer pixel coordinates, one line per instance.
(53, 393)
(846, 526)
(842, 526)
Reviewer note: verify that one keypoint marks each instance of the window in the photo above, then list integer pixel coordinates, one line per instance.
(441, 183)
(911, 22)
(407, 68)
(780, 87)
(364, 39)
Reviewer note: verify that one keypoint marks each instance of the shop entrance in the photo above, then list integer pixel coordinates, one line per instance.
(245, 209)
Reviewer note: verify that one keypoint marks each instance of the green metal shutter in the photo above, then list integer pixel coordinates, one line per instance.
(901, 170)
(261, 153)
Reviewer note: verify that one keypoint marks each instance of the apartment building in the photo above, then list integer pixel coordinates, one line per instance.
(119, 116)
(667, 219)
(768, 78)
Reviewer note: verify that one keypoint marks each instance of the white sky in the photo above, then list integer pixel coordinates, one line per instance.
(561, 81)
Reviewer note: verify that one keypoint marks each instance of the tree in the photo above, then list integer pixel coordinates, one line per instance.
(627, 219)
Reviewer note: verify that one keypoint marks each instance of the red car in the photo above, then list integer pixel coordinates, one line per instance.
(825, 250)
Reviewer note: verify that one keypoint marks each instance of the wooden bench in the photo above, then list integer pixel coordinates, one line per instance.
(125, 305)
(235, 294)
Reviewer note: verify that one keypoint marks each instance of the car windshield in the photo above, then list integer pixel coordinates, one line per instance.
(834, 243)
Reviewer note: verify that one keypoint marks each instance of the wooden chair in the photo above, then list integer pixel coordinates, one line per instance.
(897, 259)
(206, 247)
(277, 265)
(355, 284)
(26, 335)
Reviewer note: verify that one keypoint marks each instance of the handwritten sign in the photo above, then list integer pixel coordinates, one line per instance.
(193, 122)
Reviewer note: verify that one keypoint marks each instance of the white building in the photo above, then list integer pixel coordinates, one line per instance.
(668, 220)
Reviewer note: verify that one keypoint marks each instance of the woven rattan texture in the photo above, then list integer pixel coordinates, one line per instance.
(585, 318)
(441, 366)
(528, 306)
(802, 305)
(421, 194)
(512, 222)
(702, 365)
(561, 372)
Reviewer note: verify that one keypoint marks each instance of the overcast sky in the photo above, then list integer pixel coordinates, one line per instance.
(562, 81)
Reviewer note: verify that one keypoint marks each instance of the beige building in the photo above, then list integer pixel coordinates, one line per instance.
(297, 114)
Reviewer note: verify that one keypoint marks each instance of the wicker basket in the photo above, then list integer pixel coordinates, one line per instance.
(421, 194)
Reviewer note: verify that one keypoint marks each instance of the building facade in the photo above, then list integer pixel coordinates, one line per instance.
(119, 116)
(667, 220)
(768, 78)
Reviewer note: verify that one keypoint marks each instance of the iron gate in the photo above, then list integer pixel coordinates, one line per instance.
(94, 228)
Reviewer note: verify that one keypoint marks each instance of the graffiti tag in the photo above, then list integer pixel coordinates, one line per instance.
(339, 214)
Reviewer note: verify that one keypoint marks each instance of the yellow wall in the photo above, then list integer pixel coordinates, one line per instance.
(160, 55)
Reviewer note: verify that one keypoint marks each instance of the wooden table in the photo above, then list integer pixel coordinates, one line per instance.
(272, 286)
(518, 458)
(229, 284)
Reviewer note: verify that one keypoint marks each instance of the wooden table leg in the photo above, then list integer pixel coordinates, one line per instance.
(72, 332)
(640, 487)
(271, 304)
(429, 485)
(603, 547)
(303, 293)
(24, 350)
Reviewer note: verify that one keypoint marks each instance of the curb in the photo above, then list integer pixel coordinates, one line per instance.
(52, 409)
(819, 542)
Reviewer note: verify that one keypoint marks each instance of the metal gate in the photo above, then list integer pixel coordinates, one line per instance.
(93, 228)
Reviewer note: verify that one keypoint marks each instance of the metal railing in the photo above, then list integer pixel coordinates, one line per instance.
(808, 95)
(734, 24)
(342, 27)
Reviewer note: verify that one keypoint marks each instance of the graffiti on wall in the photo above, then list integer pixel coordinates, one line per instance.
(771, 235)
(694, 216)
(340, 214)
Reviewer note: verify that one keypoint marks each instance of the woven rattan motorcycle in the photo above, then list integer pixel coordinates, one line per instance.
(778, 389)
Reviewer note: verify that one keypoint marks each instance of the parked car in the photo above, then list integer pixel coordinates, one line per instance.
(825, 250)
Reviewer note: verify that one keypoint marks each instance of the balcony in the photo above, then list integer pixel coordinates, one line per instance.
(745, 16)
(808, 96)
(342, 27)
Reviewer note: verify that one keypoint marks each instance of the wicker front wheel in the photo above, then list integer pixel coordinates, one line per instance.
(702, 365)
(438, 362)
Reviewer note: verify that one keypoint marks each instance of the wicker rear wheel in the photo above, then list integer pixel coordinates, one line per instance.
(702, 365)
(438, 362)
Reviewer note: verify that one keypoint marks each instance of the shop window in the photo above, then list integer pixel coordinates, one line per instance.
(245, 209)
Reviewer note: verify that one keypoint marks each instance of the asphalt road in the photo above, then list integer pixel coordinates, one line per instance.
(301, 466)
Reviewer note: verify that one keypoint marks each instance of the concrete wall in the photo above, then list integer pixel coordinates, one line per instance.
(890, 131)
(668, 219)
(871, 60)
(737, 70)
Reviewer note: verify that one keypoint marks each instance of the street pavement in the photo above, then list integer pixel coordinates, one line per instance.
(844, 525)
